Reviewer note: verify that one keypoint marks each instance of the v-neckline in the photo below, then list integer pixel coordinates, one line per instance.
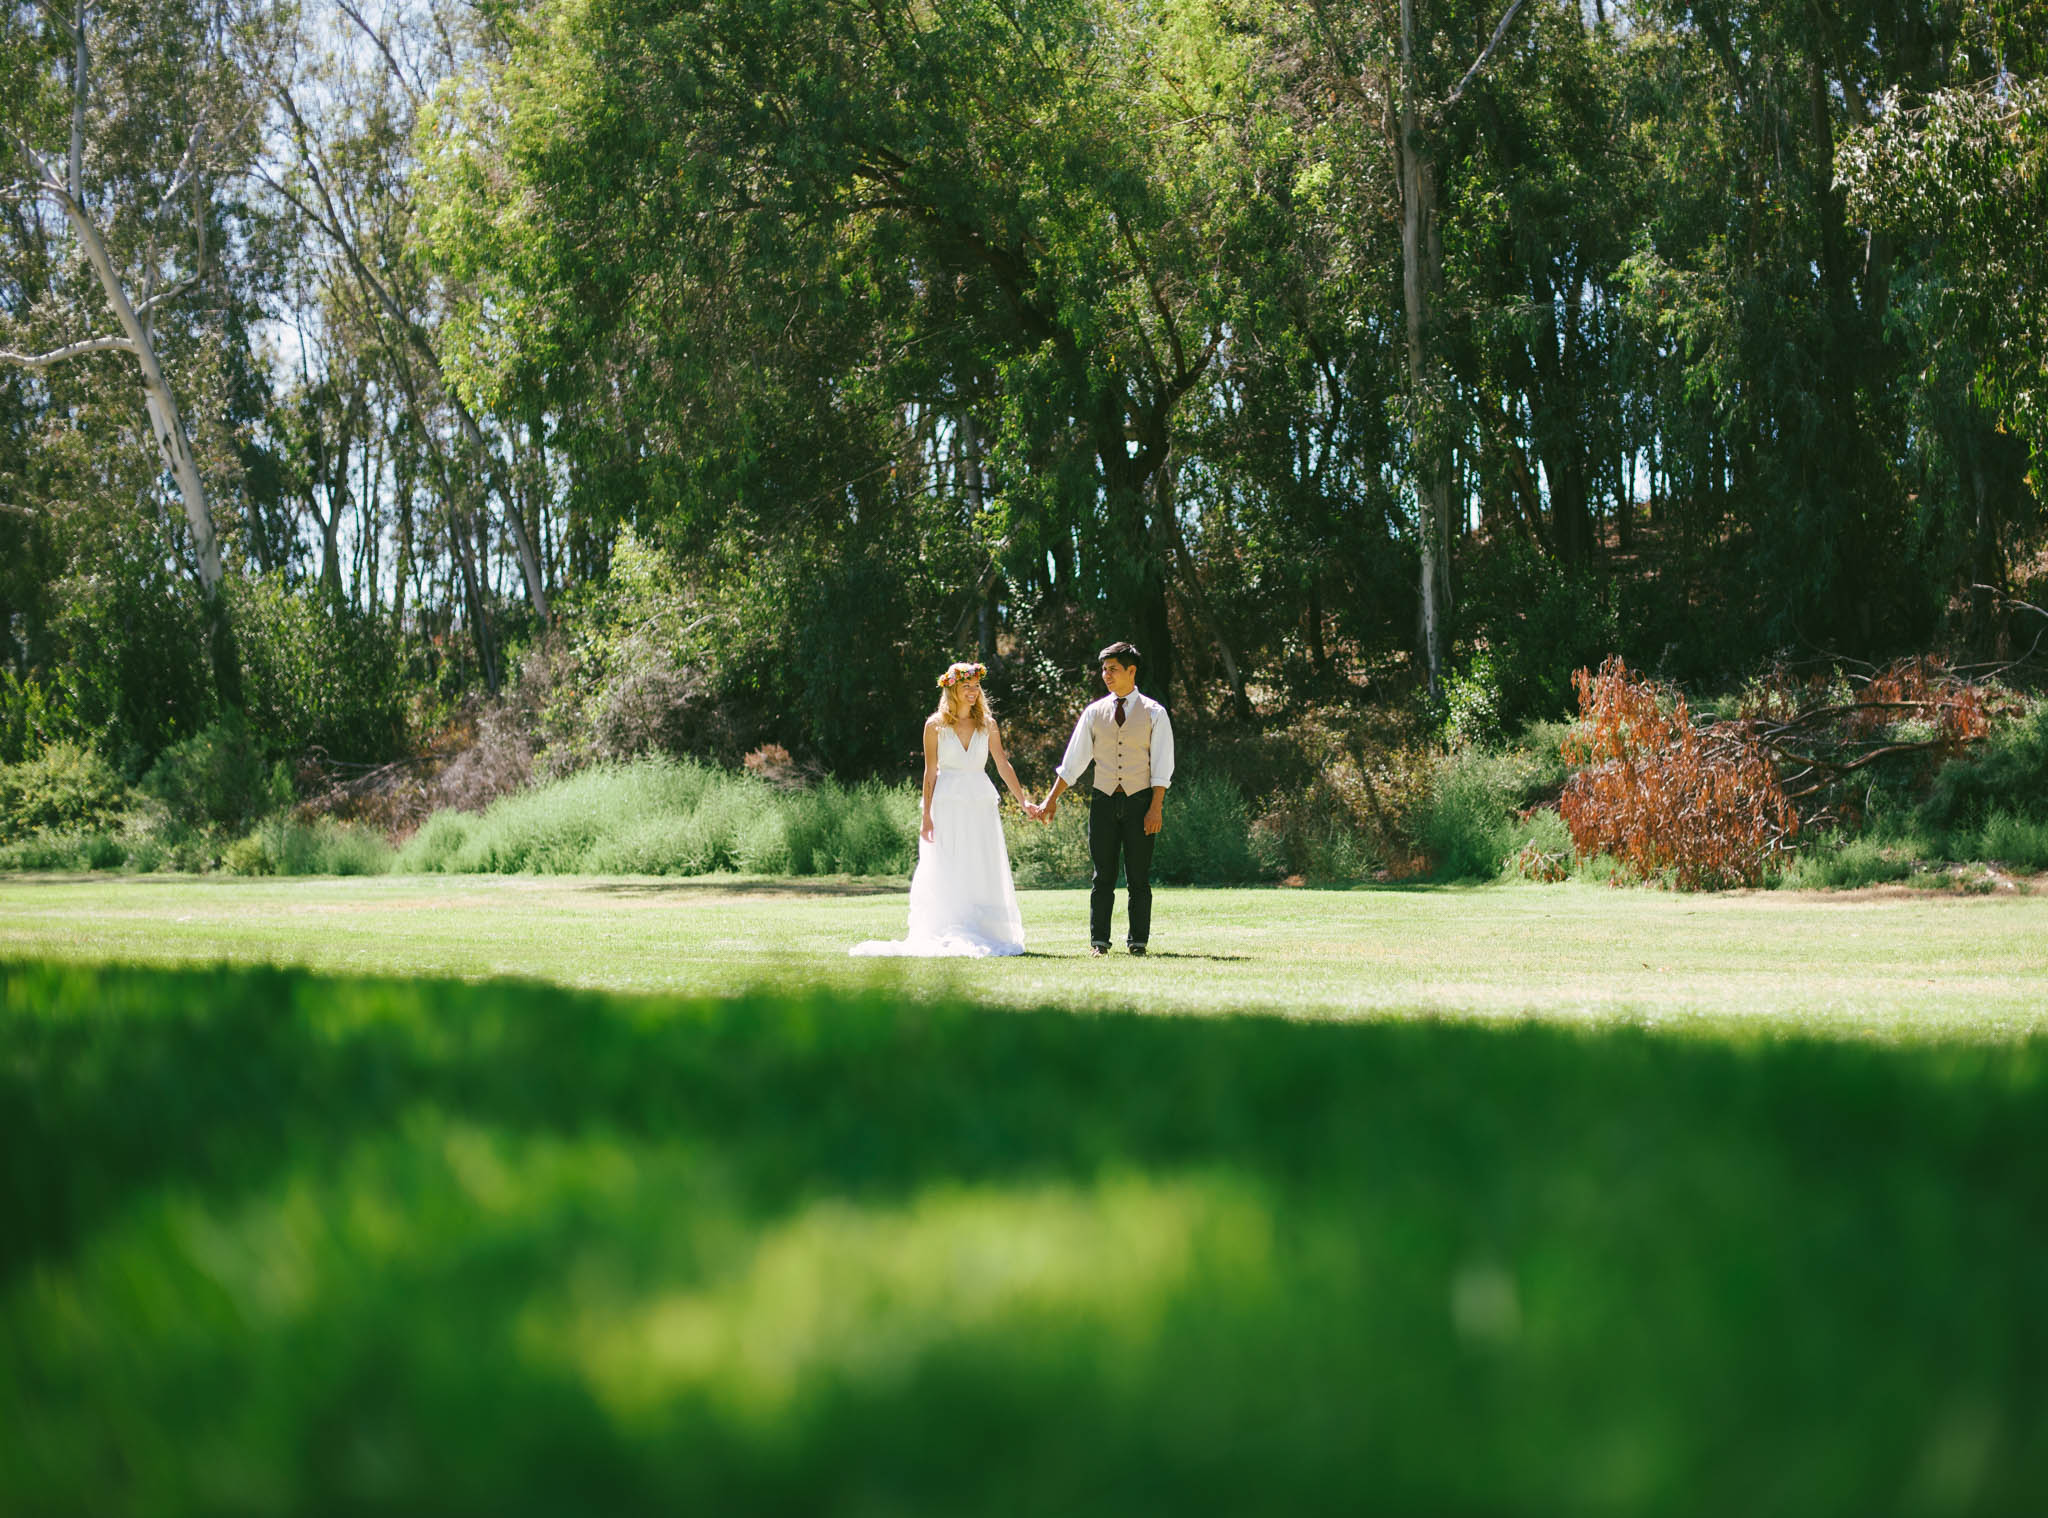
(963, 742)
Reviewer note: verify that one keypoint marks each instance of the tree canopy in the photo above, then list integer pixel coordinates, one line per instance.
(1328, 349)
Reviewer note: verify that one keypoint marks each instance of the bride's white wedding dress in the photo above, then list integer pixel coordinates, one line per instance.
(962, 900)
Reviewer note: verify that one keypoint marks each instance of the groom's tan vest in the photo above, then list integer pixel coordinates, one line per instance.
(1123, 755)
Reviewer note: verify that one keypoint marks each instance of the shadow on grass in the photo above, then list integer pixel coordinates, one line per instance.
(508, 1249)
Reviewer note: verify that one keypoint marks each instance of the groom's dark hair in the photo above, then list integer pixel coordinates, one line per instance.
(1123, 653)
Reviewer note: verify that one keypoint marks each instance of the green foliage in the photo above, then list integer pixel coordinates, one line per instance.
(671, 817)
(544, 1249)
(1849, 863)
(2019, 842)
(319, 674)
(218, 777)
(31, 715)
(283, 846)
(1537, 622)
(1051, 853)
(1336, 852)
(63, 850)
(682, 817)
(2008, 772)
(63, 788)
(1472, 704)
(1466, 825)
(135, 668)
(1207, 837)
(1964, 171)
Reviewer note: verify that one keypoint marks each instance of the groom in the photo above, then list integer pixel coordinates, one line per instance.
(1129, 740)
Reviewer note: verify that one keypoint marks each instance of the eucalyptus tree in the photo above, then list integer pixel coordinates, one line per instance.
(1771, 310)
(134, 120)
(1958, 177)
(1408, 68)
(346, 99)
(1031, 213)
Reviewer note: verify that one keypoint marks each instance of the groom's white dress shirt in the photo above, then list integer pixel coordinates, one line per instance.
(1130, 756)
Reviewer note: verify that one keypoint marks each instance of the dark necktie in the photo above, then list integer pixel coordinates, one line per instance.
(1119, 711)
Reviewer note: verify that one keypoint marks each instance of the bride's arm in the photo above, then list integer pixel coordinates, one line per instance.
(931, 775)
(1003, 767)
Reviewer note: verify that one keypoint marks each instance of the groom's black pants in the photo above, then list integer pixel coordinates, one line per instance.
(1116, 831)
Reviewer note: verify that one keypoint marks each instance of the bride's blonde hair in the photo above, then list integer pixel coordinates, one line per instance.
(949, 693)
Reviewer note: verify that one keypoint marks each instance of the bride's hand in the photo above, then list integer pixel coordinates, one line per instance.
(924, 830)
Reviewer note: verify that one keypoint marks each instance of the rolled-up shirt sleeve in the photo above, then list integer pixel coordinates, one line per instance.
(1080, 753)
(1162, 747)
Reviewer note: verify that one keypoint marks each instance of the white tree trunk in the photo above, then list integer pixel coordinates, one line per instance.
(166, 422)
(1421, 254)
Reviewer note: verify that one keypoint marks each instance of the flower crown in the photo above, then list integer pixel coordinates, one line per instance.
(958, 672)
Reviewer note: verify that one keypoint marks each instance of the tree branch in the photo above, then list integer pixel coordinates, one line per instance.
(1480, 62)
(78, 91)
(189, 282)
(184, 170)
(383, 47)
(58, 355)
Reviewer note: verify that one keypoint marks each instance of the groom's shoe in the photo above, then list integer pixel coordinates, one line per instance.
(1137, 948)
(1097, 950)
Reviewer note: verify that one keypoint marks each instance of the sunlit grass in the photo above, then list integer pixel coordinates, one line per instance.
(1904, 963)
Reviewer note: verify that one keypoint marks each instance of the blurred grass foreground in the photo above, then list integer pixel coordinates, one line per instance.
(277, 1243)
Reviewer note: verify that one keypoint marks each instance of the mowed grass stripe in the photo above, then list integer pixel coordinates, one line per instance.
(283, 1243)
(1891, 964)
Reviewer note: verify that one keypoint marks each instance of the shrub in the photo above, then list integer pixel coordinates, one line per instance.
(1659, 794)
(32, 714)
(1545, 851)
(870, 829)
(245, 856)
(218, 777)
(317, 673)
(679, 817)
(1207, 837)
(1843, 864)
(676, 817)
(1335, 851)
(65, 787)
(1472, 704)
(155, 840)
(285, 846)
(2014, 840)
(442, 838)
(1466, 824)
(1051, 853)
(67, 850)
(2009, 773)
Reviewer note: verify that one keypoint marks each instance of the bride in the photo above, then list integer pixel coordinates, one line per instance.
(961, 898)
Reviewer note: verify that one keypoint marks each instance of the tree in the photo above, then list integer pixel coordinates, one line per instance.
(139, 203)
(1961, 178)
(1033, 214)
(1405, 87)
(347, 118)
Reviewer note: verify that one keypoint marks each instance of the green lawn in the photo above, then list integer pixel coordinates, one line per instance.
(1896, 964)
(1749, 1218)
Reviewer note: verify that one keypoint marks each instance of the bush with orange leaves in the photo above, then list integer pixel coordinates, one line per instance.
(1661, 794)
